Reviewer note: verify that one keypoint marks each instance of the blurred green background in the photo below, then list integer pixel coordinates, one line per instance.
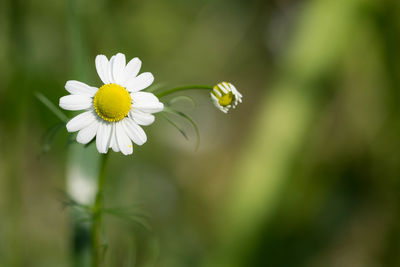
(304, 173)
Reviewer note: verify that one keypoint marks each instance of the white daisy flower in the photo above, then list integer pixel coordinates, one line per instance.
(225, 96)
(114, 112)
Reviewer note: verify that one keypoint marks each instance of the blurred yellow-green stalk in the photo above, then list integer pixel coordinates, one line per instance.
(306, 172)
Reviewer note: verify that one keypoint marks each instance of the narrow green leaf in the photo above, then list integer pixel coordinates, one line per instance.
(136, 210)
(68, 202)
(182, 98)
(134, 218)
(53, 108)
(189, 119)
(174, 124)
(155, 87)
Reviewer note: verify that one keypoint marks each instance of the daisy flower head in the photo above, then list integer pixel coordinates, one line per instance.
(113, 113)
(225, 96)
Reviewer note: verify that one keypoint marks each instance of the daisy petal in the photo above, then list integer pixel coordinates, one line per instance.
(113, 142)
(131, 70)
(79, 88)
(102, 67)
(117, 67)
(81, 121)
(134, 131)
(110, 69)
(214, 98)
(88, 133)
(146, 102)
(140, 82)
(141, 118)
(124, 143)
(75, 102)
(103, 137)
(150, 107)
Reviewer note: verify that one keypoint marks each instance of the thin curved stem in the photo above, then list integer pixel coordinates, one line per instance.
(183, 88)
(96, 224)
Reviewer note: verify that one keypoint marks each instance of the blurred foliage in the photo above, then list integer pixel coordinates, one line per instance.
(304, 173)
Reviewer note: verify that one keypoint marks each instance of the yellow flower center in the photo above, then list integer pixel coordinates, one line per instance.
(225, 99)
(112, 102)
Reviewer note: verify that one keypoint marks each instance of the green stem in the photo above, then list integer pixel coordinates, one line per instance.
(182, 88)
(96, 224)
